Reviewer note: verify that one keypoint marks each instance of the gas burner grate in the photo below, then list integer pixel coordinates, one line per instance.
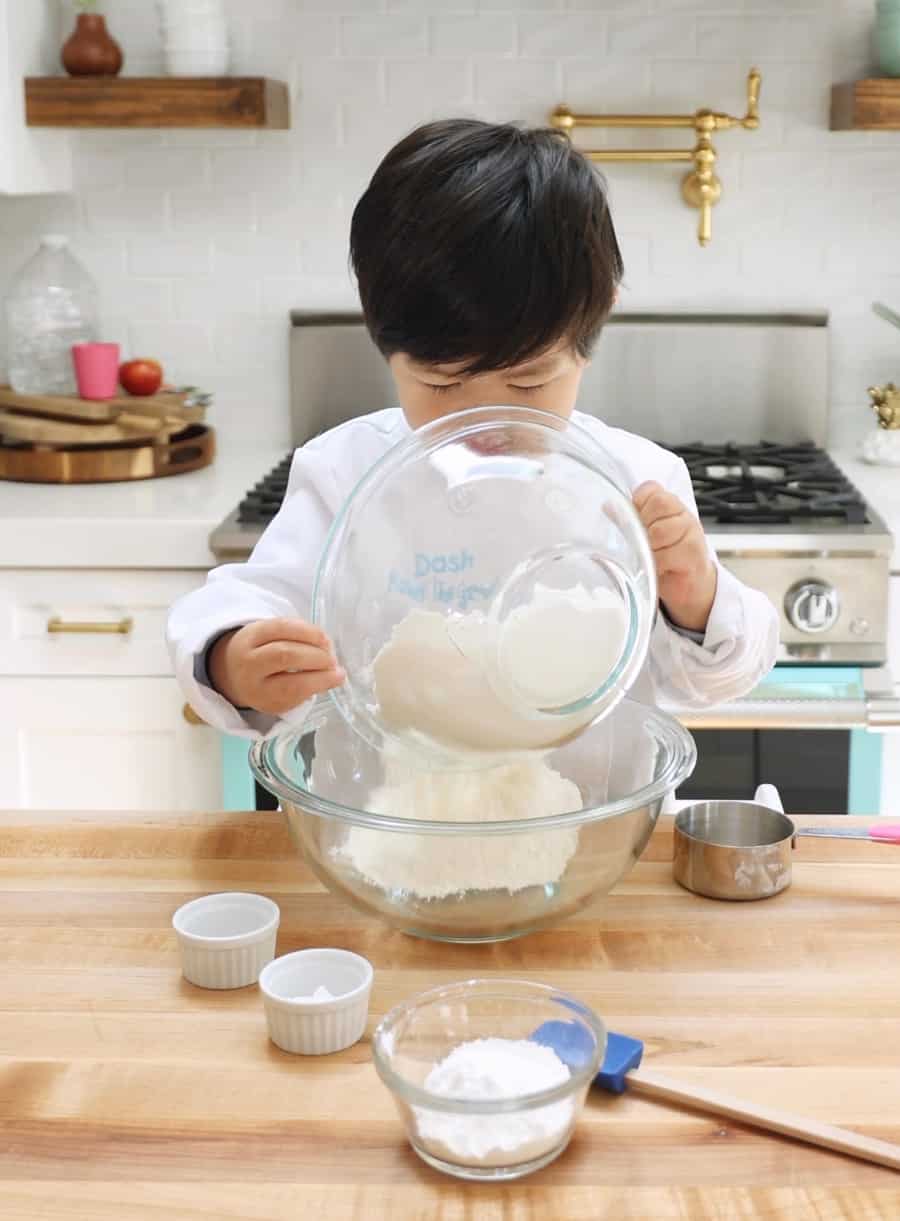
(768, 484)
(264, 499)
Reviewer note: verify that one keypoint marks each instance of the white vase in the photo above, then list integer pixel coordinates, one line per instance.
(882, 447)
(195, 37)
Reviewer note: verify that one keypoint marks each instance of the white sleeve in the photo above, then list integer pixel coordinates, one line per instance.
(276, 581)
(739, 645)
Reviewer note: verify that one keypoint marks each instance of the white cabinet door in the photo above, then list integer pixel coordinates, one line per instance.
(31, 161)
(890, 750)
(104, 744)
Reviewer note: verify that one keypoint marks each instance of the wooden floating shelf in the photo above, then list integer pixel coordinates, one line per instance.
(869, 105)
(156, 101)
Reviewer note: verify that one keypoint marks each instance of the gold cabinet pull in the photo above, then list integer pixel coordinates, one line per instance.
(120, 627)
(192, 717)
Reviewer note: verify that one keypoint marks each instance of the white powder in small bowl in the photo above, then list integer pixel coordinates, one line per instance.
(321, 994)
(494, 1069)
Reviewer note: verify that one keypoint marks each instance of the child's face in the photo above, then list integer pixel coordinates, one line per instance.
(548, 382)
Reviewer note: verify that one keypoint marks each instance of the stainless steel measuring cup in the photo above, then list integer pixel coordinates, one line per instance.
(735, 849)
(742, 849)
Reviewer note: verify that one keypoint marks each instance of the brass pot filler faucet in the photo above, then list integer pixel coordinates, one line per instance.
(701, 187)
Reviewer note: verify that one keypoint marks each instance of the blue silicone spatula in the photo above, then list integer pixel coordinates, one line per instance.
(621, 1070)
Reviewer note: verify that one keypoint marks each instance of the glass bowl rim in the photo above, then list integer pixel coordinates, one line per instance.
(682, 754)
(416, 1095)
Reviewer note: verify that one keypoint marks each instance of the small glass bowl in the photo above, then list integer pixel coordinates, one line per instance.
(485, 1139)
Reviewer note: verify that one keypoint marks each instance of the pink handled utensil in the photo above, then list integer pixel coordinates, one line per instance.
(883, 833)
(879, 832)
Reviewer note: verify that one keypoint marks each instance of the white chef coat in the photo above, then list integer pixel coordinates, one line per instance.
(683, 669)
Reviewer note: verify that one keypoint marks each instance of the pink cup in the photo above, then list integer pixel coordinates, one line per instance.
(96, 369)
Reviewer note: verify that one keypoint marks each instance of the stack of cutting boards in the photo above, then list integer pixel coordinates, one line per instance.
(64, 439)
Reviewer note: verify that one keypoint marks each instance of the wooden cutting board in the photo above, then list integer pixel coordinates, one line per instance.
(126, 1094)
(38, 430)
(177, 404)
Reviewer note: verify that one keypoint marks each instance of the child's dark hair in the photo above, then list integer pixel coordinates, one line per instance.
(484, 244)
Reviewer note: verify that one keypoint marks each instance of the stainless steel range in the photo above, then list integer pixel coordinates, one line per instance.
(743, 400)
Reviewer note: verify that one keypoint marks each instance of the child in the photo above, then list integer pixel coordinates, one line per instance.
(487, 262)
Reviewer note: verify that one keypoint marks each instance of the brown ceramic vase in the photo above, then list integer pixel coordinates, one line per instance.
(89, 50)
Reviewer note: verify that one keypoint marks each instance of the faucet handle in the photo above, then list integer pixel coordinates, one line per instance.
(723, 122)
(751, 118)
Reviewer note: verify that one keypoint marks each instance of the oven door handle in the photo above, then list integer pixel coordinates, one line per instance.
(880, 714)
(779, 714)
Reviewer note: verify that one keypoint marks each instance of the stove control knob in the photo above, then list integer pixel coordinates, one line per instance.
(812, 606)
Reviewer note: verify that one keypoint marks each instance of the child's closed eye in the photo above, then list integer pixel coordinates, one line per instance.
(528, 389)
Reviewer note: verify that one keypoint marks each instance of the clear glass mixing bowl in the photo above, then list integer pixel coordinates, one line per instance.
(498, 556)
(473, 880)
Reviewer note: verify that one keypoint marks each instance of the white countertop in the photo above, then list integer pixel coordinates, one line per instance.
(148, 523)
(880, 485)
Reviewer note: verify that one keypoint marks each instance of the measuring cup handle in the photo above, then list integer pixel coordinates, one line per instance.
(768, 795)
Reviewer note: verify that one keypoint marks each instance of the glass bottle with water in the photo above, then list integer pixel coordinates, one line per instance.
(51, 305)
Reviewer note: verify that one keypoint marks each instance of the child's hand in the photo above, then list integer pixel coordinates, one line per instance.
(273, 665)
(685, 573)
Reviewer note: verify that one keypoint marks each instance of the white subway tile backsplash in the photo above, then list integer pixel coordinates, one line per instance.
(358, 82)
(517, 89)
(336, 6)
(244, 341)
(202, 240)
(747, 39)
(805, 39)
(234, 211)
(168, 256)
(609, 87)
(521, 6)
(670, 256)
(685, 87)
(183, 348)
(265, 167)
(566, 35)
(281, 294)
(212, 137)
(151, 167)
(490, 34)
(134, 297)
(125, 210)
(390, 34)
(433, 83)
(201, 298)
(635, 7)
(652, 37)
(255, 254)
(434, 6)
(779, 257)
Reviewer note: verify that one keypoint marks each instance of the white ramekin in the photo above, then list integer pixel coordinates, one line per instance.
(308, 1027)
(226, 939)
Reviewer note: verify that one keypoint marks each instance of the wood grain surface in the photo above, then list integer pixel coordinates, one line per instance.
(127, 1093)
(867, 105)
(156, 101)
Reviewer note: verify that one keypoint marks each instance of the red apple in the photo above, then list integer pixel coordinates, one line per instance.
(141, 376)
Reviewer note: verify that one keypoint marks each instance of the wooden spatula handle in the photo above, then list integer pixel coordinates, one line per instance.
(651, 1085)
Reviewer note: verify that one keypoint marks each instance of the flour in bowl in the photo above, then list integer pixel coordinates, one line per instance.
(438, 866)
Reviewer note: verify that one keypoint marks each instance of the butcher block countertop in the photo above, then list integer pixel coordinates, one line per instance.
(127, 1093)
